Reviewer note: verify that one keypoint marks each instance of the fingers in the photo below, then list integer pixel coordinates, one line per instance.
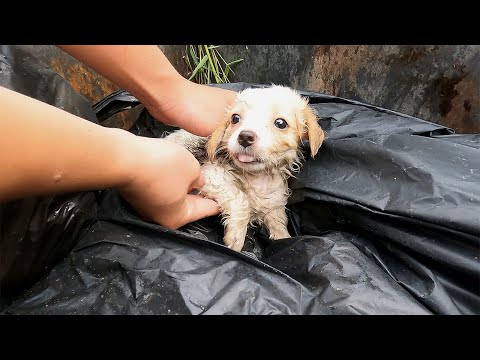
(164, 196)
(195, 207)
(199, 207)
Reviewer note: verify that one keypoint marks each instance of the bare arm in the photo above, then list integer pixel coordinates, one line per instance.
(145, 72)
(140, 69)
(45, 150)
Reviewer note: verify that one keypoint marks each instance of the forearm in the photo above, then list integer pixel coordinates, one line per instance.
(139, 69)
(147, 74)
(47, 150)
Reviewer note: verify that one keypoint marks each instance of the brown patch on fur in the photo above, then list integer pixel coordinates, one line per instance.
(314, 132)
(285, 141)
(216, 138)
(287, 138)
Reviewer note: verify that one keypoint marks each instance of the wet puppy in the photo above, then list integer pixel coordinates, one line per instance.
(248, 159)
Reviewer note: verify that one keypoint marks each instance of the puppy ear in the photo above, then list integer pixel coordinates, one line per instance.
(313, 132)
(215, 139)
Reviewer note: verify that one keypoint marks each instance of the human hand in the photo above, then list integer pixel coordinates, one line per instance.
(193, 107)
(162, 176)
(145, 72)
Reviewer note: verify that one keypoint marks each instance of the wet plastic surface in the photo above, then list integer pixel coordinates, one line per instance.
(386, 220)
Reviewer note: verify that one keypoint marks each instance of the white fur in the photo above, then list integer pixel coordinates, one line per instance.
(256, 192)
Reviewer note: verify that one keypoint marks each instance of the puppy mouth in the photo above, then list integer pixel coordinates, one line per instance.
(246, 158)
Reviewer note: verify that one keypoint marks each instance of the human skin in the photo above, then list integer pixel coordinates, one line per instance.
(56, 152)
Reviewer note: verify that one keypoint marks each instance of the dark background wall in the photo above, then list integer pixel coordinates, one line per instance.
(436, 83)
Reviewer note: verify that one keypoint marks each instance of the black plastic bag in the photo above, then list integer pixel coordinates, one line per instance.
(385, 221)
(36, 233)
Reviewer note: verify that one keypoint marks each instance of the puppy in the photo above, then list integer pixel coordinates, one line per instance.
(248, 159)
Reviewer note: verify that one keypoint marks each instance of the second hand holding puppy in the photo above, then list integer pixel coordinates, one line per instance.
(159, 195)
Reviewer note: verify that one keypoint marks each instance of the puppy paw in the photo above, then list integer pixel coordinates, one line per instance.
(276, 234)
(234, 241)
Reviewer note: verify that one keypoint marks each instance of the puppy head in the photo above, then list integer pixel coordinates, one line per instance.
(264, 129)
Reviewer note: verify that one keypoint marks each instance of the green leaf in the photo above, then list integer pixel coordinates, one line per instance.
(216, 63)
(227, 69)
(209, 64)
(200, 64)
(194, 55)
(212, 66)
(234, 62)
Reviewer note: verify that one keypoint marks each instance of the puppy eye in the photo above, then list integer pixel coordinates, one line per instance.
(235, 119)
(280, 123)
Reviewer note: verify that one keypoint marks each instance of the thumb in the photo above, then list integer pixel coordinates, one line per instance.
(200, 207)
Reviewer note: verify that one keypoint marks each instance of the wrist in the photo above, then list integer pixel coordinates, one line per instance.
(125, 157)
(152, 89)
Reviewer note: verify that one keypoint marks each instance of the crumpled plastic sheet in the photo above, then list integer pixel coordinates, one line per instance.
(385, 220)
(36, 233)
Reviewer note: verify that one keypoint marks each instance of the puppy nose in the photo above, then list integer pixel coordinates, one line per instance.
(246, 138)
